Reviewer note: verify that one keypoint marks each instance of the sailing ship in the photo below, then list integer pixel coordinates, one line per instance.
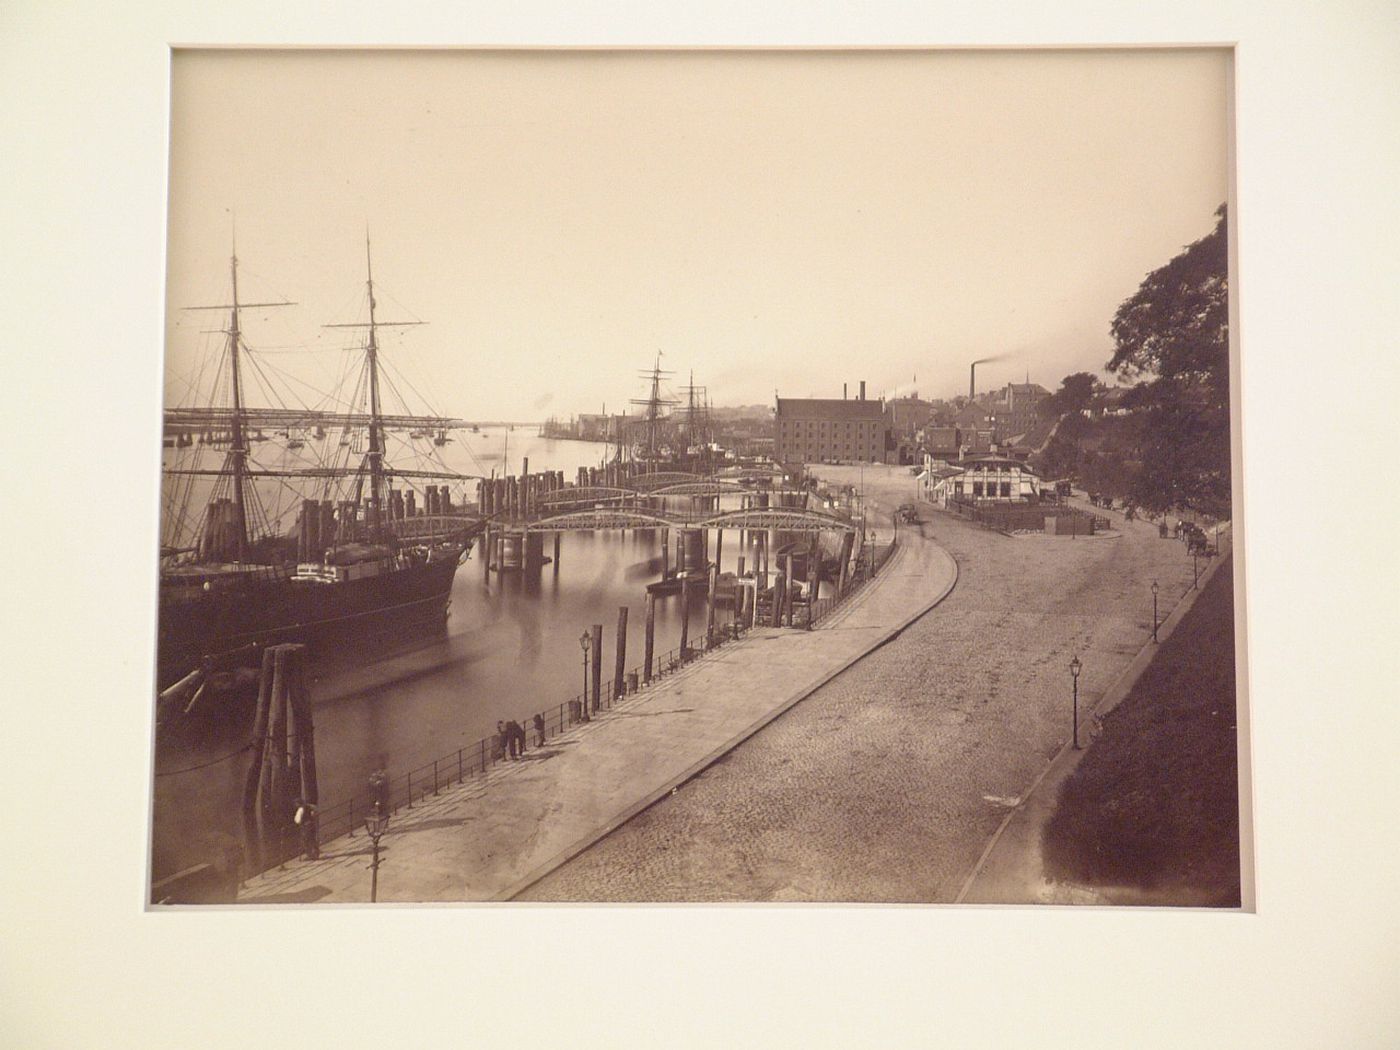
(365, 553)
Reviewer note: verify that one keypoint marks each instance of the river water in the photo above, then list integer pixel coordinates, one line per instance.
(510, 648)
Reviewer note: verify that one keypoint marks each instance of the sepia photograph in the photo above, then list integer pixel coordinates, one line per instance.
(720, 475)
(724, 525)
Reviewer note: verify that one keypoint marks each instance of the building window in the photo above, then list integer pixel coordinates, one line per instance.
(976, 490)
(1006, 488)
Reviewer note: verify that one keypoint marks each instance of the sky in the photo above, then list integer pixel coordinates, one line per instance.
(772, 221)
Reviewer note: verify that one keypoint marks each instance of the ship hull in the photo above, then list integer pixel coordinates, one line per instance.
(239, 618)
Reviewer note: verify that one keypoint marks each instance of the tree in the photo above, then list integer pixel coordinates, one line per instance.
(1075, 394)
(1173, 337)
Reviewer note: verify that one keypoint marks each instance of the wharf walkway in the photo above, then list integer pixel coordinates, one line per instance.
(494, 836)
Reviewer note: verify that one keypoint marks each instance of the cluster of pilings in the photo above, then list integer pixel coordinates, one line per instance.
(282, 774)
(516, 497)
(612, 474)
(325, 523)
(218, 540)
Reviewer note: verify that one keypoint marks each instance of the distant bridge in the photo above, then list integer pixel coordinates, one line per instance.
(786, 519)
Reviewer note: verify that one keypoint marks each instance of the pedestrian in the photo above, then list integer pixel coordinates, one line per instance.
(498, 742)
(305, 819)
(539, 730)
(514, 737)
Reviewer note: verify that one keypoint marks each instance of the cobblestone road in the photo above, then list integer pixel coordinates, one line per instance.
(886, 783)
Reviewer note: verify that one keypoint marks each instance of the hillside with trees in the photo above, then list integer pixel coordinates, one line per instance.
(1164, 441)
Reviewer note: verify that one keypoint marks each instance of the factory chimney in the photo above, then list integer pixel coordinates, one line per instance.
(972, 382)
(843, 391)
(862, 389)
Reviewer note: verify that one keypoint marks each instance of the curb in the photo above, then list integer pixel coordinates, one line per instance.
(1111, 698)
(572, 851)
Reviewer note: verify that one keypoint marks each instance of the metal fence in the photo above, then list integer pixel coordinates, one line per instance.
(415, 786)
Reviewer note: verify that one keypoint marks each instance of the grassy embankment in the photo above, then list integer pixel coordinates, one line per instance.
(1153, 805)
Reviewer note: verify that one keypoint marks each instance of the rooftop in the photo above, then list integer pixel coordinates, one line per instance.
(829, 408)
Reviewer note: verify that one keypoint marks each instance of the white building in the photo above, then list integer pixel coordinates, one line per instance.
(979, 479)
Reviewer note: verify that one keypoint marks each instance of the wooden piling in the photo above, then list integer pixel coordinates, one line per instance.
(791, 581)
(651, 636)
(844, 574)
(685, 616)
(557, 537)
(665, 554)
(275, 807)
(719, 546)
(252, 840)
(327, 530)
(597, 663)
(710, 606)
(620, 665)
(775, 617)
(306, 729)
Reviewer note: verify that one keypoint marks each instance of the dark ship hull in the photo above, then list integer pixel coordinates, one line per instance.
(223, 616)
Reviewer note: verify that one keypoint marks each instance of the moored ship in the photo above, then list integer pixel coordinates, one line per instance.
(374, 546)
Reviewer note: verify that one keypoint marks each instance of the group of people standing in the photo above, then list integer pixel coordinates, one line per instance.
(510, 737)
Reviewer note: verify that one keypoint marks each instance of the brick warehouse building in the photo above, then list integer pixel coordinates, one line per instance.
(830, 430)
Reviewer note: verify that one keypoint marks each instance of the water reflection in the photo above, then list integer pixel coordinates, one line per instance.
(510, 647)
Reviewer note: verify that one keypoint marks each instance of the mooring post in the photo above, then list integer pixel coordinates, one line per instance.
(252, 842)
(775, 617)
(710, 606)
(620, 666)
(305, 726)
(685, 616)
(276, 805)
(791, 582)
(597, 647)
(651, 637)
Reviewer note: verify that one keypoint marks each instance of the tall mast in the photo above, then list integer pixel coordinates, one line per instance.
(375, 456)
(236, 465)
(238, 447)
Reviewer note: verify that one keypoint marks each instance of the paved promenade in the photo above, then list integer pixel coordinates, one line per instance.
(888, 782)
(493, 837)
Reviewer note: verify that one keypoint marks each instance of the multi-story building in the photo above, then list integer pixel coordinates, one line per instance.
(1013, 408)
(830, 430)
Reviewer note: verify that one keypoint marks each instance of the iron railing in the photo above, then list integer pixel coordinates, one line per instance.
(412, 787)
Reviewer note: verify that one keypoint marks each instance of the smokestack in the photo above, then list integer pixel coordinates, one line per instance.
(972, 382)
(862, 389)
(843, 391)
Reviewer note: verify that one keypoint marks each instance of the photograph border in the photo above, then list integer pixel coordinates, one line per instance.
(784, 976)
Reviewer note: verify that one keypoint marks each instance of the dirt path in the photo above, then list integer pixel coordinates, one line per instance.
(886, 783)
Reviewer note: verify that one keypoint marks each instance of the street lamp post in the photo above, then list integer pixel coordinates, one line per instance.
(585, 641)
(1074, 668)
(1195, 569)
(376, 823)
(1154, 610)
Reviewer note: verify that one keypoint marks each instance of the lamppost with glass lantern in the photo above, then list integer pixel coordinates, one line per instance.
(585, 642)
(1074, 668)
(376, 823)
(1154, 610)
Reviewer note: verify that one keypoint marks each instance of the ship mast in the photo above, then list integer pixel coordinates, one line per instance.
(375, 455)
(374, 458)
(238, 447)
(653, 405)
(236, 465)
